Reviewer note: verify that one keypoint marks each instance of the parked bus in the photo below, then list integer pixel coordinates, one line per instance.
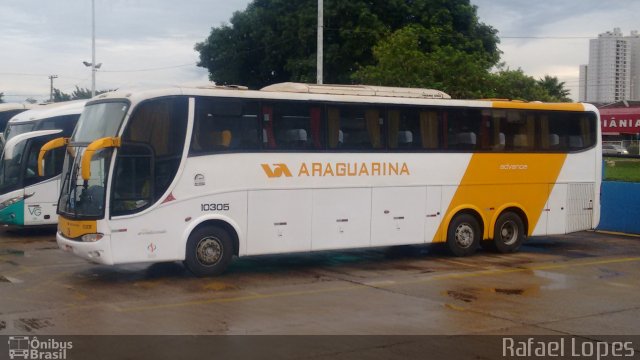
(203, 174)
(27, 198)
(7, 111)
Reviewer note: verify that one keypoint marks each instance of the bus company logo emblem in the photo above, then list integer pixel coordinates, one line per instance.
(276, 170)
(152, 247)
(198, 180)
(35, 210)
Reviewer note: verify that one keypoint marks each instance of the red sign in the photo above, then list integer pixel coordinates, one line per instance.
(620, 120)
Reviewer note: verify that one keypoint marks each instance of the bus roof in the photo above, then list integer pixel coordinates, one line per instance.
(49, 110)
(15, 106)
(337, 93)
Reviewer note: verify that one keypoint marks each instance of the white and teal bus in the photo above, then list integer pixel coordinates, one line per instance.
(26, 197)
(203, 174)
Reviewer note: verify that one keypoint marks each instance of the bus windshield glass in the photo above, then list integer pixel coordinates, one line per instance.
(17, 129)
(86, 198)
(99, 120)
(10, 168)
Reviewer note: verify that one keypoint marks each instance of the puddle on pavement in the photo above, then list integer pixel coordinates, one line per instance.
(31, 324)
(556, 281)
(12, 252)
(469, 295)
(465, 296)
(609, 273)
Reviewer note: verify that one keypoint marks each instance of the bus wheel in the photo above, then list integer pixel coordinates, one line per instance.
(209, 251)
(508, 233)
(463, 236)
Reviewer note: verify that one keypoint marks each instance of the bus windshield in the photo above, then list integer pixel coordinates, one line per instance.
(86, 198)
(99, 120)
(17, 129)
(10, 168)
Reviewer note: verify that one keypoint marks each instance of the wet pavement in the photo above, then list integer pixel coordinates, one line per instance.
(583, 283)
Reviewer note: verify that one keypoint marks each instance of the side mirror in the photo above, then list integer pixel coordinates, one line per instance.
(103, 143)
(53, 144)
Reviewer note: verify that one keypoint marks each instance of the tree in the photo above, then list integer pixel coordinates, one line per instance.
(77, 94)
(414, 57)
(1, 97)
(275, 40)
(555, 88)
(59, 96)
(516, 85)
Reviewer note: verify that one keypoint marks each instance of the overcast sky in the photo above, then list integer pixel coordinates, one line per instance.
(150, 42)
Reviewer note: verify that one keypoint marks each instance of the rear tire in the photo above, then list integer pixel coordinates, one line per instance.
(508, 233)
(463, 236)
(209, 251)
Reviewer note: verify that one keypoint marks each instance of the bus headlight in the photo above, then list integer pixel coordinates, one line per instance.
(92, 237)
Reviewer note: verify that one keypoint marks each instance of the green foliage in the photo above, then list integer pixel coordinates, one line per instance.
(275, 41)
(1, 97)
(77, 94)
(59, 96)
(414, 57)
(555, 89)
(516, 85)
(618, 169)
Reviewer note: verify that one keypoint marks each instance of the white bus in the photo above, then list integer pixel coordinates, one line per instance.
(203, 174)
(28, 198)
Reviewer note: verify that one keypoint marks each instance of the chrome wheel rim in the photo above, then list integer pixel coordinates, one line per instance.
(464, 235)
(209, 251)
(509, 232)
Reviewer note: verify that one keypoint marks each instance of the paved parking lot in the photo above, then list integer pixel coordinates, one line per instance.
(583, 283)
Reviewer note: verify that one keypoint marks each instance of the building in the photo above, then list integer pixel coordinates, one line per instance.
(613, 72)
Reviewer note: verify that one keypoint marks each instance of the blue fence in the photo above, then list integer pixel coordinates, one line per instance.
(620, 207)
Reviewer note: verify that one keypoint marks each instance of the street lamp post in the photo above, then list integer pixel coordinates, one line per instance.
(92, 64)
(320, 40)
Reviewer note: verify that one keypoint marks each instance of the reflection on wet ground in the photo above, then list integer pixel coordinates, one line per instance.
(405, 290)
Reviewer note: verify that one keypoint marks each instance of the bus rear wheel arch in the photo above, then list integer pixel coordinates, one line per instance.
(209, 250)
(464, 234)
(509, 232)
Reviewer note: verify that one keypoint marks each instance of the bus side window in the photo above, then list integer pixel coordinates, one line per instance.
(223, 125)
(463, 130)
(294, 126)
(568, 131)
(356, 127)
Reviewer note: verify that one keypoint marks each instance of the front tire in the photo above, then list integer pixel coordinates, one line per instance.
(209, 251)
(463, 236)
(508, 233)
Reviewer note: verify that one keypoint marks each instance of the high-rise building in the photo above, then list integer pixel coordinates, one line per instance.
(613, 73)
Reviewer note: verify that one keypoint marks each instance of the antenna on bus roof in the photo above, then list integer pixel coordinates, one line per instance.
(361, 90)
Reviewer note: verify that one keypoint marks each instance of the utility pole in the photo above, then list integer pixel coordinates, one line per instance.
(319, 60)
(51, 77)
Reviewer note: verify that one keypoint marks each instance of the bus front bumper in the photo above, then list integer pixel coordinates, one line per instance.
(98, 252)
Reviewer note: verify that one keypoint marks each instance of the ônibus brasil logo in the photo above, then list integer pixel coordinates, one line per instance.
(32, 348)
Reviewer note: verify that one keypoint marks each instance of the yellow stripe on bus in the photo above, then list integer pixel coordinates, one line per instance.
(537, 106)
(494, 182)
